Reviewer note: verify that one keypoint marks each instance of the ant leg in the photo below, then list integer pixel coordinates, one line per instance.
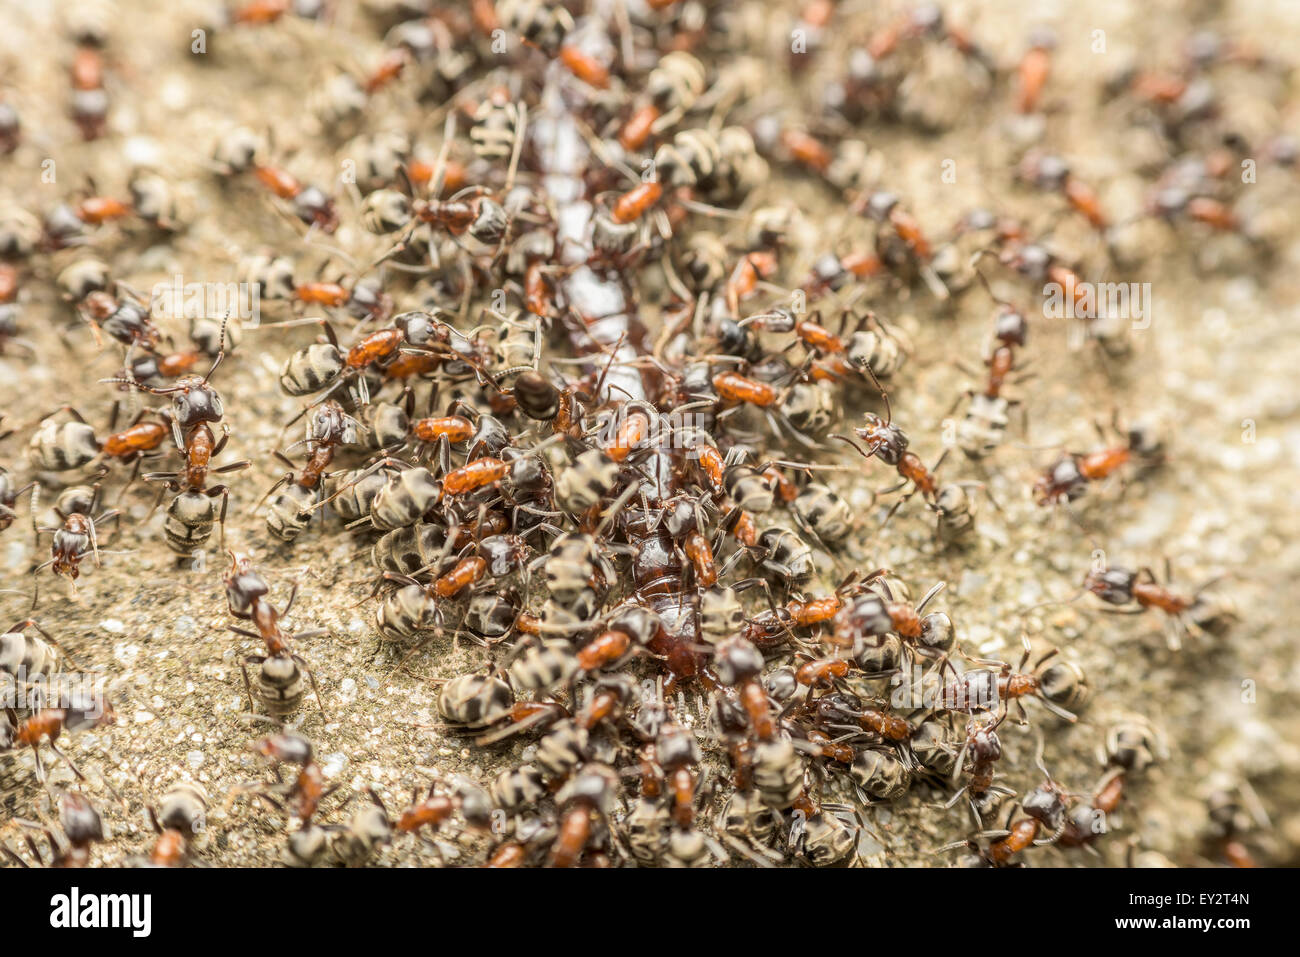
(33, 506)
(177, 436)
(158, 501)
(70, 410)
(94, 543)
(731, 560)
(282, 481)
(248, 686)
(1150, 575)
(75, 770)
(135, 473)
(311, 676)
(956, 797)
(385, 462)
(1174, 629)
(1050, 654)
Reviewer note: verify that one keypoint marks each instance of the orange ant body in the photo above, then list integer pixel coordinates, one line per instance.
(474, 475)
(636, 131)
(744, 279)
(632, 205)
(1032, 72)
(822, 672)
(601, 652)
(585, 67)
(260, 12)
(135, 439)
(736, 388)
(700, 552)
(453, 428)
(1069, 476)
(98, 210)
(807, 150)
(466, 572)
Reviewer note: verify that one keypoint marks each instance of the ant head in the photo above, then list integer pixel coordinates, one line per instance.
(1010, 326)
(284, 747)
(194, 401)
(1114, 585)
(80, 821)
(983, 740)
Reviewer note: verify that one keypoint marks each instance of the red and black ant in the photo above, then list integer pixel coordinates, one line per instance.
(77, 537)
(82, 828)
(75, 712)
(984, 689)
(1141, 591)
(1068, 478)
(279, 680)
(889, 443)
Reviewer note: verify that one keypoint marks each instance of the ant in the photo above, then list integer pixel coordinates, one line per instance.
(125, 317)
(177, 820)
(982, 689)
(1068, 478)
(10, 310)
(195, 403)
(1050, 172)
(983, 427)
(196, 406)
(9, 495)
(89, 105)
(74, 445)
(279, 680)
(908, 243)
(1045, 808)
(890, 444)
(868, 615)
(845, 712)
(1033, 70)
(1086, 822)
(843, 355)
(308, 789)
(468, 212)
(78, 536)
(982, 750)
(799, 405)
(831, 272)
(74, 713)
(329, 429)
(309, 203)
(238, 153)
(82, 828)
(432, 811)
(1120, 587)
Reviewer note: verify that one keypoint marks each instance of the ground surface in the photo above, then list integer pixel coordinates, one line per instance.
(1216, 366)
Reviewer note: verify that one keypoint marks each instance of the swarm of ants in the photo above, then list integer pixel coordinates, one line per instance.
(587, 396)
